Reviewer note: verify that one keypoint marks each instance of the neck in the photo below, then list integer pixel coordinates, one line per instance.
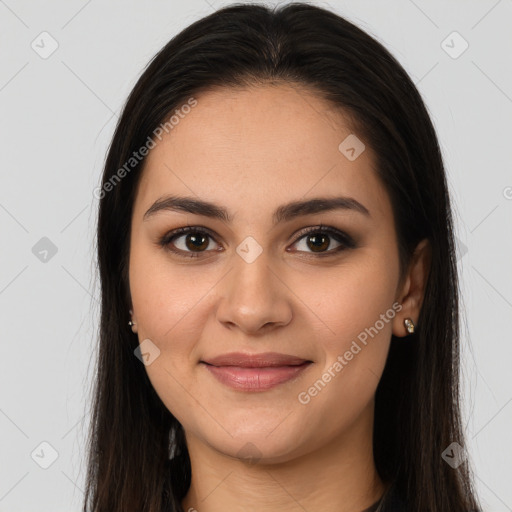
(340, 476)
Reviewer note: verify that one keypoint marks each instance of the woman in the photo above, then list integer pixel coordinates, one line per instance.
(279, 326)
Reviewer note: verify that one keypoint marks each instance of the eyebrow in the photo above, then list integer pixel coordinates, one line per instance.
(283, 213)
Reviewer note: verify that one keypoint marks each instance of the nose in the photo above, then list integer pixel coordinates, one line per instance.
(253, 298)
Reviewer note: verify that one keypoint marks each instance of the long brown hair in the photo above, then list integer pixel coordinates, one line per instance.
(137, 455)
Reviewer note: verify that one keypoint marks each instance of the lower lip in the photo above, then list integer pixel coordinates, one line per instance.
(255, 379)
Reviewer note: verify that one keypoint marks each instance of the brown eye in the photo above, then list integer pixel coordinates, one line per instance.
(199, 241)
(192, 242)
(187, 242)
(320, 241)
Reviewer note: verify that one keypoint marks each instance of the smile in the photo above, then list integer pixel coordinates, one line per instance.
(255, 378)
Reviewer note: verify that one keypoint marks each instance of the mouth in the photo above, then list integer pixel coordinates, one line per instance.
(263, 360)
(257, 372)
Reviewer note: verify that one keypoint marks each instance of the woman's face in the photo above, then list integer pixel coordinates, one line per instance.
(257, 282)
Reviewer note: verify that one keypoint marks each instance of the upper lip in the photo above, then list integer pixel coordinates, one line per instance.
(255, 360)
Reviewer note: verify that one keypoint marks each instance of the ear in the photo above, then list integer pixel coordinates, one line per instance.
(412, 292)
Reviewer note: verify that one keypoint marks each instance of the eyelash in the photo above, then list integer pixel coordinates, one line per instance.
(341, 237)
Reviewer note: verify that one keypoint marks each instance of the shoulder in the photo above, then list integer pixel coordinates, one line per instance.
(394, 502)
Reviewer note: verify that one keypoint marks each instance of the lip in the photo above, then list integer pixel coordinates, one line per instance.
(256, 372)
(265, 359)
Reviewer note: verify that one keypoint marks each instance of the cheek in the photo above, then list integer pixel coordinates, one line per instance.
(358, 310)
(172, 303)
(165, 304)
(354, 302)
(170, 307)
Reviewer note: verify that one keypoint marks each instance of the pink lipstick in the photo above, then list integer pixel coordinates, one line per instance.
(255, 372)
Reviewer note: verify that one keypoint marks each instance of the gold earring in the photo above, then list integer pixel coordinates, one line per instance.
(409, 325)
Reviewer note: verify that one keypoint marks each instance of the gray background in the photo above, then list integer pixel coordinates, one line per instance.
(57, 117)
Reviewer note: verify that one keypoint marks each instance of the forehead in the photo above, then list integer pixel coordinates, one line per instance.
(260, 146)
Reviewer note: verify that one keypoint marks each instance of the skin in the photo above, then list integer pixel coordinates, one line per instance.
(250, 151)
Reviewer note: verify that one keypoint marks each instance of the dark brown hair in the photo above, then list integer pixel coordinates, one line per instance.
(132, 434)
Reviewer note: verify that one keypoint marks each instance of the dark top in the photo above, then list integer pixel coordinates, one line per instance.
(373, 508)
(390, 502)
